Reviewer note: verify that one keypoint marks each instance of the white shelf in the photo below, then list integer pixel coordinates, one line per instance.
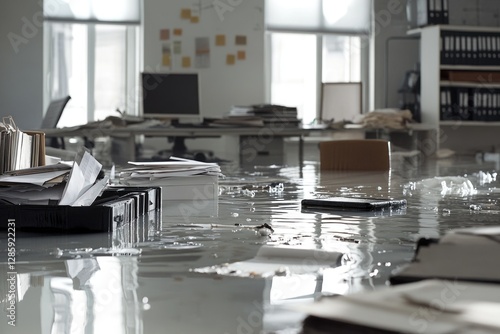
(470, 67)
(431, 82)
(446, 27)
(469, 123)
(469, 84)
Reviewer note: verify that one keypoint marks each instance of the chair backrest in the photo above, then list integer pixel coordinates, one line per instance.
(54, 112)
(355, 155)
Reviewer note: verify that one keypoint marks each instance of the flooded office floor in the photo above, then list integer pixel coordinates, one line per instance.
(215, 269)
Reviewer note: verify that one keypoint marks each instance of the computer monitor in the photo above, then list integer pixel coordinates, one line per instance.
(171, 95)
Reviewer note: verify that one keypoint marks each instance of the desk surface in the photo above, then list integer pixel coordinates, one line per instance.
(276, 129)
(125, 283)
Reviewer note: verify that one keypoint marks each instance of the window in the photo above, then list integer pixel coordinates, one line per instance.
(310, 46)
(94, 59)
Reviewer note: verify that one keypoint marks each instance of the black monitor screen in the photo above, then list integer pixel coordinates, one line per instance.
(170, 95)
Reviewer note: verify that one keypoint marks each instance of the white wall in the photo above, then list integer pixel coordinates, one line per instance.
(221, 85)
(21, 62)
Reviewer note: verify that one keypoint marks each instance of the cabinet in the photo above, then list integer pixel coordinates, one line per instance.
(460, 77)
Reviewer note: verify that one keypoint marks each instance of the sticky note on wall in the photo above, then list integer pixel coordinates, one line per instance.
(220, 40)
(164, 34)
(230, 59)
(186, 62)
(185, 13)
(240, 40)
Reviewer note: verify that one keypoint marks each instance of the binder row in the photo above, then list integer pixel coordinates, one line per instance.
(115, 208)
(432, 12)
(470, 48)
(20, 149)
(470, 104)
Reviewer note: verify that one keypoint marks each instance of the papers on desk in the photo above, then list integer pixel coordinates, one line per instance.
(176, 167)
(180, 179)
(267, 113)
(232, 121)
(63, 184)
(430, 306)
(463, 254)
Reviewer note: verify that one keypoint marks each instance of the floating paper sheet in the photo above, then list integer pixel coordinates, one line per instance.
(272, 260)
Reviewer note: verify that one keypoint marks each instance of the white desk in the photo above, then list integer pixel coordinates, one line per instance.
(126, 137)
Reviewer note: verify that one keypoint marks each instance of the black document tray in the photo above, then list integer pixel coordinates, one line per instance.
(59, 218)
(102, 217)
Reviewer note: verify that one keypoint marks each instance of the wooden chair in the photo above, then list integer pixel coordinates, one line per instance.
(355, 155)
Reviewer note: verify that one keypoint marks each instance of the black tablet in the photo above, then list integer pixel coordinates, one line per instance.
(352, 203)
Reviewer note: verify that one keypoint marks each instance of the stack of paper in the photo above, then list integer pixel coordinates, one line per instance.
(179, 178)
(73, 184)
(176, 167)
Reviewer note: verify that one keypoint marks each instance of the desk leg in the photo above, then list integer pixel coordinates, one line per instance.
(301, 150)
(123, 149)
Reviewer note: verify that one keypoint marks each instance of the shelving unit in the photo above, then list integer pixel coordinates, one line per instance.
(480, 57)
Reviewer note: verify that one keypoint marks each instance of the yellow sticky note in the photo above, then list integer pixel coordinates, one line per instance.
(164, 34)
(220, 40)
(241, 55)
(166, 60)
(230, 59)
(186, 62)
(185, 13)
(195, 19)
(177, 32)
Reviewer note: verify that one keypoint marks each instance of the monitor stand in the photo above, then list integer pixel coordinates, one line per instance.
(179, 148)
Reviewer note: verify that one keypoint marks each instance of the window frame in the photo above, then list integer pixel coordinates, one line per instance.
(364, 70)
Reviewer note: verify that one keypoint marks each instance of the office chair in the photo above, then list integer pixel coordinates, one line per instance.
(52, 117)
(355, 155)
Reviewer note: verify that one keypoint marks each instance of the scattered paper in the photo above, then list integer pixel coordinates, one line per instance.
(83, 175)
(272, 260)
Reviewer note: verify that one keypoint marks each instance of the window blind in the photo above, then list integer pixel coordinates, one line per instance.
(96, 11)
(336, 16)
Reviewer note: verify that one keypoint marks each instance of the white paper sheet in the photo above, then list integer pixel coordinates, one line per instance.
(83, 175)
(272, 260)
(37, 179)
